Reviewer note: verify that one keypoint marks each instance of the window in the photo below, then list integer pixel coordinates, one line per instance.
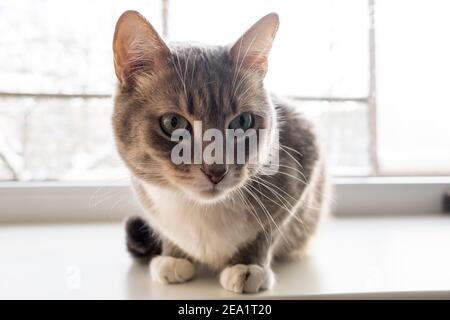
(373, 78)
(413, 70)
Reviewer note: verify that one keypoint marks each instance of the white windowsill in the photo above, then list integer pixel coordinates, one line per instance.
(403, 257)
(106, 201)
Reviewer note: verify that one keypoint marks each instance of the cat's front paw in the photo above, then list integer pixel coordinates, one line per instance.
(166, 269)
(242, 278)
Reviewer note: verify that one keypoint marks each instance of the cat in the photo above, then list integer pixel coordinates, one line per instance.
(229, 217)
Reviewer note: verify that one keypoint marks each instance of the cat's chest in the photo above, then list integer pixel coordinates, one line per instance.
(211, 235)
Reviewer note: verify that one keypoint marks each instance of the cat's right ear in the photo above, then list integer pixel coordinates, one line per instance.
(137, 47)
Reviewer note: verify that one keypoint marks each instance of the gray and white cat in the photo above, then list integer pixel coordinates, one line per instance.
(230, 217)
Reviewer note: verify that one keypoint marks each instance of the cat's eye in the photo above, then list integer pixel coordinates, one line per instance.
(243, 121)
(171, 122)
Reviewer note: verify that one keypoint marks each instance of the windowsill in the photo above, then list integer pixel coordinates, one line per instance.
(108, 201)
(382, 257)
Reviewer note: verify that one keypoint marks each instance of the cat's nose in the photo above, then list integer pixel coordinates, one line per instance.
(215, 172)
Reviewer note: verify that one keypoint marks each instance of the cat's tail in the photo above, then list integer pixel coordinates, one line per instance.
(142, 242)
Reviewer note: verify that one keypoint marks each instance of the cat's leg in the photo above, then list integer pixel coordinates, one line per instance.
(297, 233)
(167, 263)
(299, 230)
(247, 278)
(249, 271)
(142, 242)
(172, 266)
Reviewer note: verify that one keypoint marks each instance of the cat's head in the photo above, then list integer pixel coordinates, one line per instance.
(193, 88)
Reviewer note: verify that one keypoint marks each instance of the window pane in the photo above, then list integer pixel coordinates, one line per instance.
(56, 46)
(321, 47)
(57, 139)
(343, 128)
(413, 68)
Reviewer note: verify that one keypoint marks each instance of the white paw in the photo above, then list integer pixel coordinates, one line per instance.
(246, 278)
(166, 269)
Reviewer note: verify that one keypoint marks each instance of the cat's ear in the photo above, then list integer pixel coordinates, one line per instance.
(137, 47)
(253, 48)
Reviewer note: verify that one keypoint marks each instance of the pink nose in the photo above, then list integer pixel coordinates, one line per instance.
(215, 173)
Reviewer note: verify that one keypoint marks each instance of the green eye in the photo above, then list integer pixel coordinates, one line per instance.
(171, 122)
(243, 121)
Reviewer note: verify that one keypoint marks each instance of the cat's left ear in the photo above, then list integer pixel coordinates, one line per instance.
(252, 49)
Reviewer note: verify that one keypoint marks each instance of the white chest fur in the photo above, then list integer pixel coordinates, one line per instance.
(211, 234)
